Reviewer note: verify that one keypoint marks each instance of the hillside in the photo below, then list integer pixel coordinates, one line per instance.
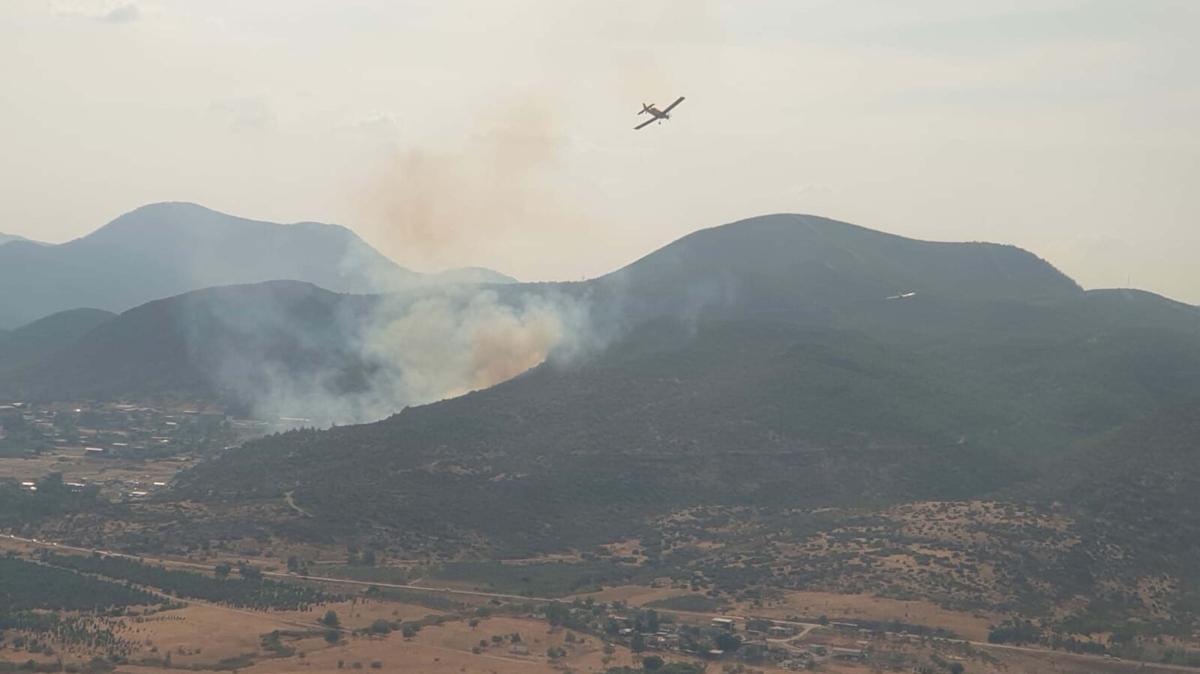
(233, 342)
(767, 393)
(779, 264)
(976, 304)
(43, 338)
(166, 249)
(1140, 483)
(796, 269)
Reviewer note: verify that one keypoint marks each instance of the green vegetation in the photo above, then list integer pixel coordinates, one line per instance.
(20, 506)
(242, 592)
(27, 585)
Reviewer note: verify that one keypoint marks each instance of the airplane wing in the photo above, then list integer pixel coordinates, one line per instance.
(677, 102)
(646, 123)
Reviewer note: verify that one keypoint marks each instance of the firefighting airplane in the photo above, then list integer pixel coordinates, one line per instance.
(656, 115)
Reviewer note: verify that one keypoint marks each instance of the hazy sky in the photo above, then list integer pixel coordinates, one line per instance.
(500, 133)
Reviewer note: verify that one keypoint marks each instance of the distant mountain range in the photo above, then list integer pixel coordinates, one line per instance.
(166, 249)
(800, 272)
(6, 238)
(184, 345)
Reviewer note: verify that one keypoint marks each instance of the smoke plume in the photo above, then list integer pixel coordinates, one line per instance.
(295, 351)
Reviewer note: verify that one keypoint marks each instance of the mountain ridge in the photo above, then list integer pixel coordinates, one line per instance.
(775, 266)
(9, 238)
(961, 389)
(164, 249)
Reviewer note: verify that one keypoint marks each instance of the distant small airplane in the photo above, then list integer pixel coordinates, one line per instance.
(903, 296)
(656, 115)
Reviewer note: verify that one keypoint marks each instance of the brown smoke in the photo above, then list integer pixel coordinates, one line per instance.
(503, 191)
(463, 340)
(450, 205)
(499, 192)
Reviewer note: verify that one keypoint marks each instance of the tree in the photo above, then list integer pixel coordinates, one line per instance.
(330, 619)
(758, 625)
(956, 668)
(249, 572)
(222, 570)
(332, 636)
(727, 642)
(637, 644)
(556, 614)
(51, 484)
(652, 663)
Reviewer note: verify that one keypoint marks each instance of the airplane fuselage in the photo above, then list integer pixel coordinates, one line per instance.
(655, 112)
(656, 115)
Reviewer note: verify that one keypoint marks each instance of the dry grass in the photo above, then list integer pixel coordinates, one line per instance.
(973, 626)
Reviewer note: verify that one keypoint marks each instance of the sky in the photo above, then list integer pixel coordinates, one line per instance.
(500, 134)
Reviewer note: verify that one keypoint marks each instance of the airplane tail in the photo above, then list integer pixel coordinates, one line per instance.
(645, 108)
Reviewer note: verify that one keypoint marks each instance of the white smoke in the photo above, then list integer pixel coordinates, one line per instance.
(405, 349)
(460, 341)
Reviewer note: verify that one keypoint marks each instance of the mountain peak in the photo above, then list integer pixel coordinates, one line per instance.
(167, 248)
(171, 218)
(794, 261)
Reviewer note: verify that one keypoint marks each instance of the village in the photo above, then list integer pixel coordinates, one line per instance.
(122, 451)
(787, 644)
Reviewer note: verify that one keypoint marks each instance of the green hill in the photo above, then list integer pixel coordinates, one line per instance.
(43, 338)
(216, 343)
(793, 384)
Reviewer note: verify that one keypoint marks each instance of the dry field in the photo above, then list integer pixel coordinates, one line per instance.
(75, 467)
(448, 648)
(635, 595)
(200, 636)
(971, 626)
(359, 613)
